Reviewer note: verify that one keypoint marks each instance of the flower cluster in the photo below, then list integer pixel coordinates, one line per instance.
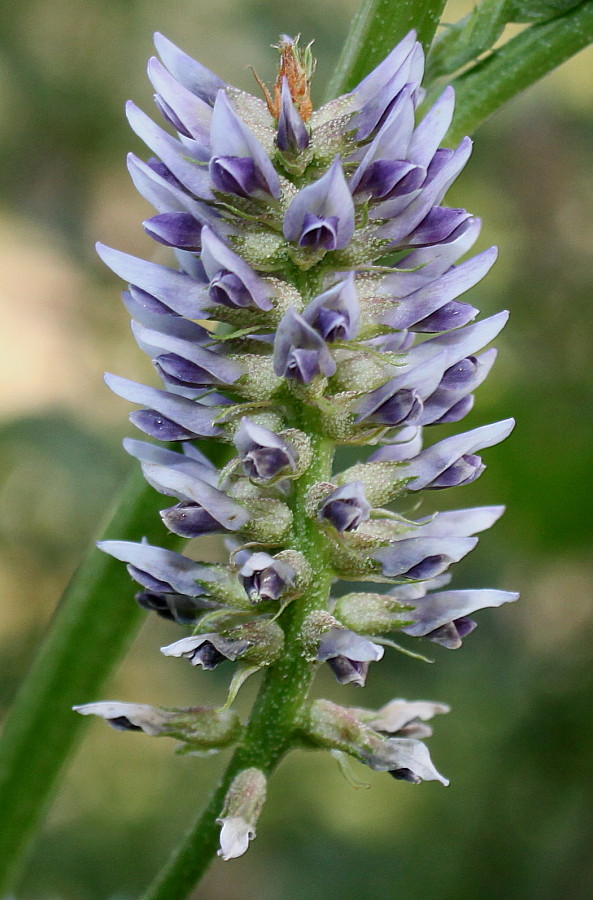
(314, 303)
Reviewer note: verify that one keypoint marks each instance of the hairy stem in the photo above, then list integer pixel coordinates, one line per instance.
(269, 733)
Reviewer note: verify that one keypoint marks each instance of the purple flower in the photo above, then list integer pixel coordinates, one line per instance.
(321, 216)
(239, 164)
(231, 281)
(203, 508)
(346, 507)
(443, 617)
(161, 570)
(266, 578)
(207, 650)
(299, 351)
(264, 455)
(335, 312)
(348, 655)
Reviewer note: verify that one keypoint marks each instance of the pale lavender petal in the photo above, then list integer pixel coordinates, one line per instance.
(191, 417)
(421, 558)
(176, 573)
(127, 716)
(177, 291)
(427, 299)
(405, 759)
(439, 609)
(461, 522)
(436, 460)
(208, 367)
(432, 129)
(160, 456)
(429, 263)
(191, 174)
(194, 114)
(151, 312)
(407, 445)
(461, 343)
(191, 74)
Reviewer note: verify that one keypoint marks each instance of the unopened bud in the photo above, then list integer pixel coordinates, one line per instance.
(242, 807)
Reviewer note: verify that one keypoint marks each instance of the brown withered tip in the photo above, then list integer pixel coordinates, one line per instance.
(297, 66)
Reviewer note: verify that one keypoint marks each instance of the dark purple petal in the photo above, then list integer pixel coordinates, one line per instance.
(319, 232)
(348, 654)
(452, 315)
(292, 136)
(465, 470)
(346, 507)
(189, 520)
(175, 230)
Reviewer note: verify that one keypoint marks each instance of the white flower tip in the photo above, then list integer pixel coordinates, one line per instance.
(235, 835)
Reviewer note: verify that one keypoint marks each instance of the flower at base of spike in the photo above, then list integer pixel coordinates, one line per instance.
(242, 807)
(202, 730)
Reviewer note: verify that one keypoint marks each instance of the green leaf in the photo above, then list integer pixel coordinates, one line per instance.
(91, 628)
(375, 30)
(516, 65)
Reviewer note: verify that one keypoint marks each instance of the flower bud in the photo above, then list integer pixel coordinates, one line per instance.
(347, 654)
(242, 807)
(371, 613)
(346, 507)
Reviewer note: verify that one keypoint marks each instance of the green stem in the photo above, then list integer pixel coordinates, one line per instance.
(269, 733)
(516, 65)
(91, 629)
(376, 28)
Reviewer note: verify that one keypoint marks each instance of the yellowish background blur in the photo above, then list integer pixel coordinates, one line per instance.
(516, 821)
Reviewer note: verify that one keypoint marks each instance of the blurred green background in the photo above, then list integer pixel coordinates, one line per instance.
(517, 820)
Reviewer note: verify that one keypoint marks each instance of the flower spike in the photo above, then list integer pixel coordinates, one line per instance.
(282, 330)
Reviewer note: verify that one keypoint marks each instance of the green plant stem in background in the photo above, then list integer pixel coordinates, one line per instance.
(376, 28)
(91, 629)
(269, 734)
(516, 65)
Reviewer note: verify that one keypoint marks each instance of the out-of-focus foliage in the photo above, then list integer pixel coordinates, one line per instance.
(516, 822)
